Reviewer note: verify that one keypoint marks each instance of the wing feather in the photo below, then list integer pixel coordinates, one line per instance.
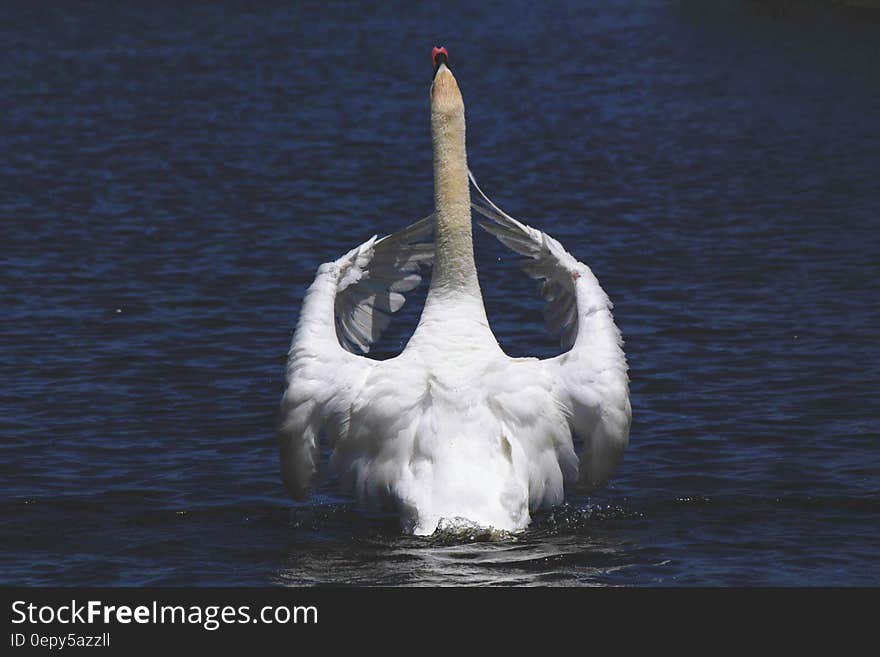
(345, 310)
(591, 376)
(372, 278)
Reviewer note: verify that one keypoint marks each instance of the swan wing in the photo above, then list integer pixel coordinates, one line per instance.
(347, 307)
(591, 377)
(372, 279)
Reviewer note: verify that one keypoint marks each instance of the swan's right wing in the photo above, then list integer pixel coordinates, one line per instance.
(591, 378)
(346, 307)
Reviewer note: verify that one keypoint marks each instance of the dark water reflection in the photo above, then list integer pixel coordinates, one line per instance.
(542, 556)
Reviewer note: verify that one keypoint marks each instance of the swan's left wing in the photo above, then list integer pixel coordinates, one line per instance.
(373, 278)
(591, 378)
(347, 307)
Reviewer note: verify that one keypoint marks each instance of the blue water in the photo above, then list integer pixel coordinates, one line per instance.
(171, 178)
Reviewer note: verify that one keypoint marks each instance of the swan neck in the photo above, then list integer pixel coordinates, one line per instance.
(454, 268)
(454, 311)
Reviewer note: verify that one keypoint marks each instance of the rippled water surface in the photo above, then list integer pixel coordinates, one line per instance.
(171, 178)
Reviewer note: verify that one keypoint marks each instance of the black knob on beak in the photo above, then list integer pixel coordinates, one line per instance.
(439, 56)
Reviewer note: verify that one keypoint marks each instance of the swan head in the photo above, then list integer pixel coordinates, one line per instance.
(446, 101)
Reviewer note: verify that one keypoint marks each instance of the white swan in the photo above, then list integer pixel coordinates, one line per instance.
(452, 427)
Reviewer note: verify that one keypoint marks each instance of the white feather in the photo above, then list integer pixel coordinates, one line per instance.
(452, 427)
